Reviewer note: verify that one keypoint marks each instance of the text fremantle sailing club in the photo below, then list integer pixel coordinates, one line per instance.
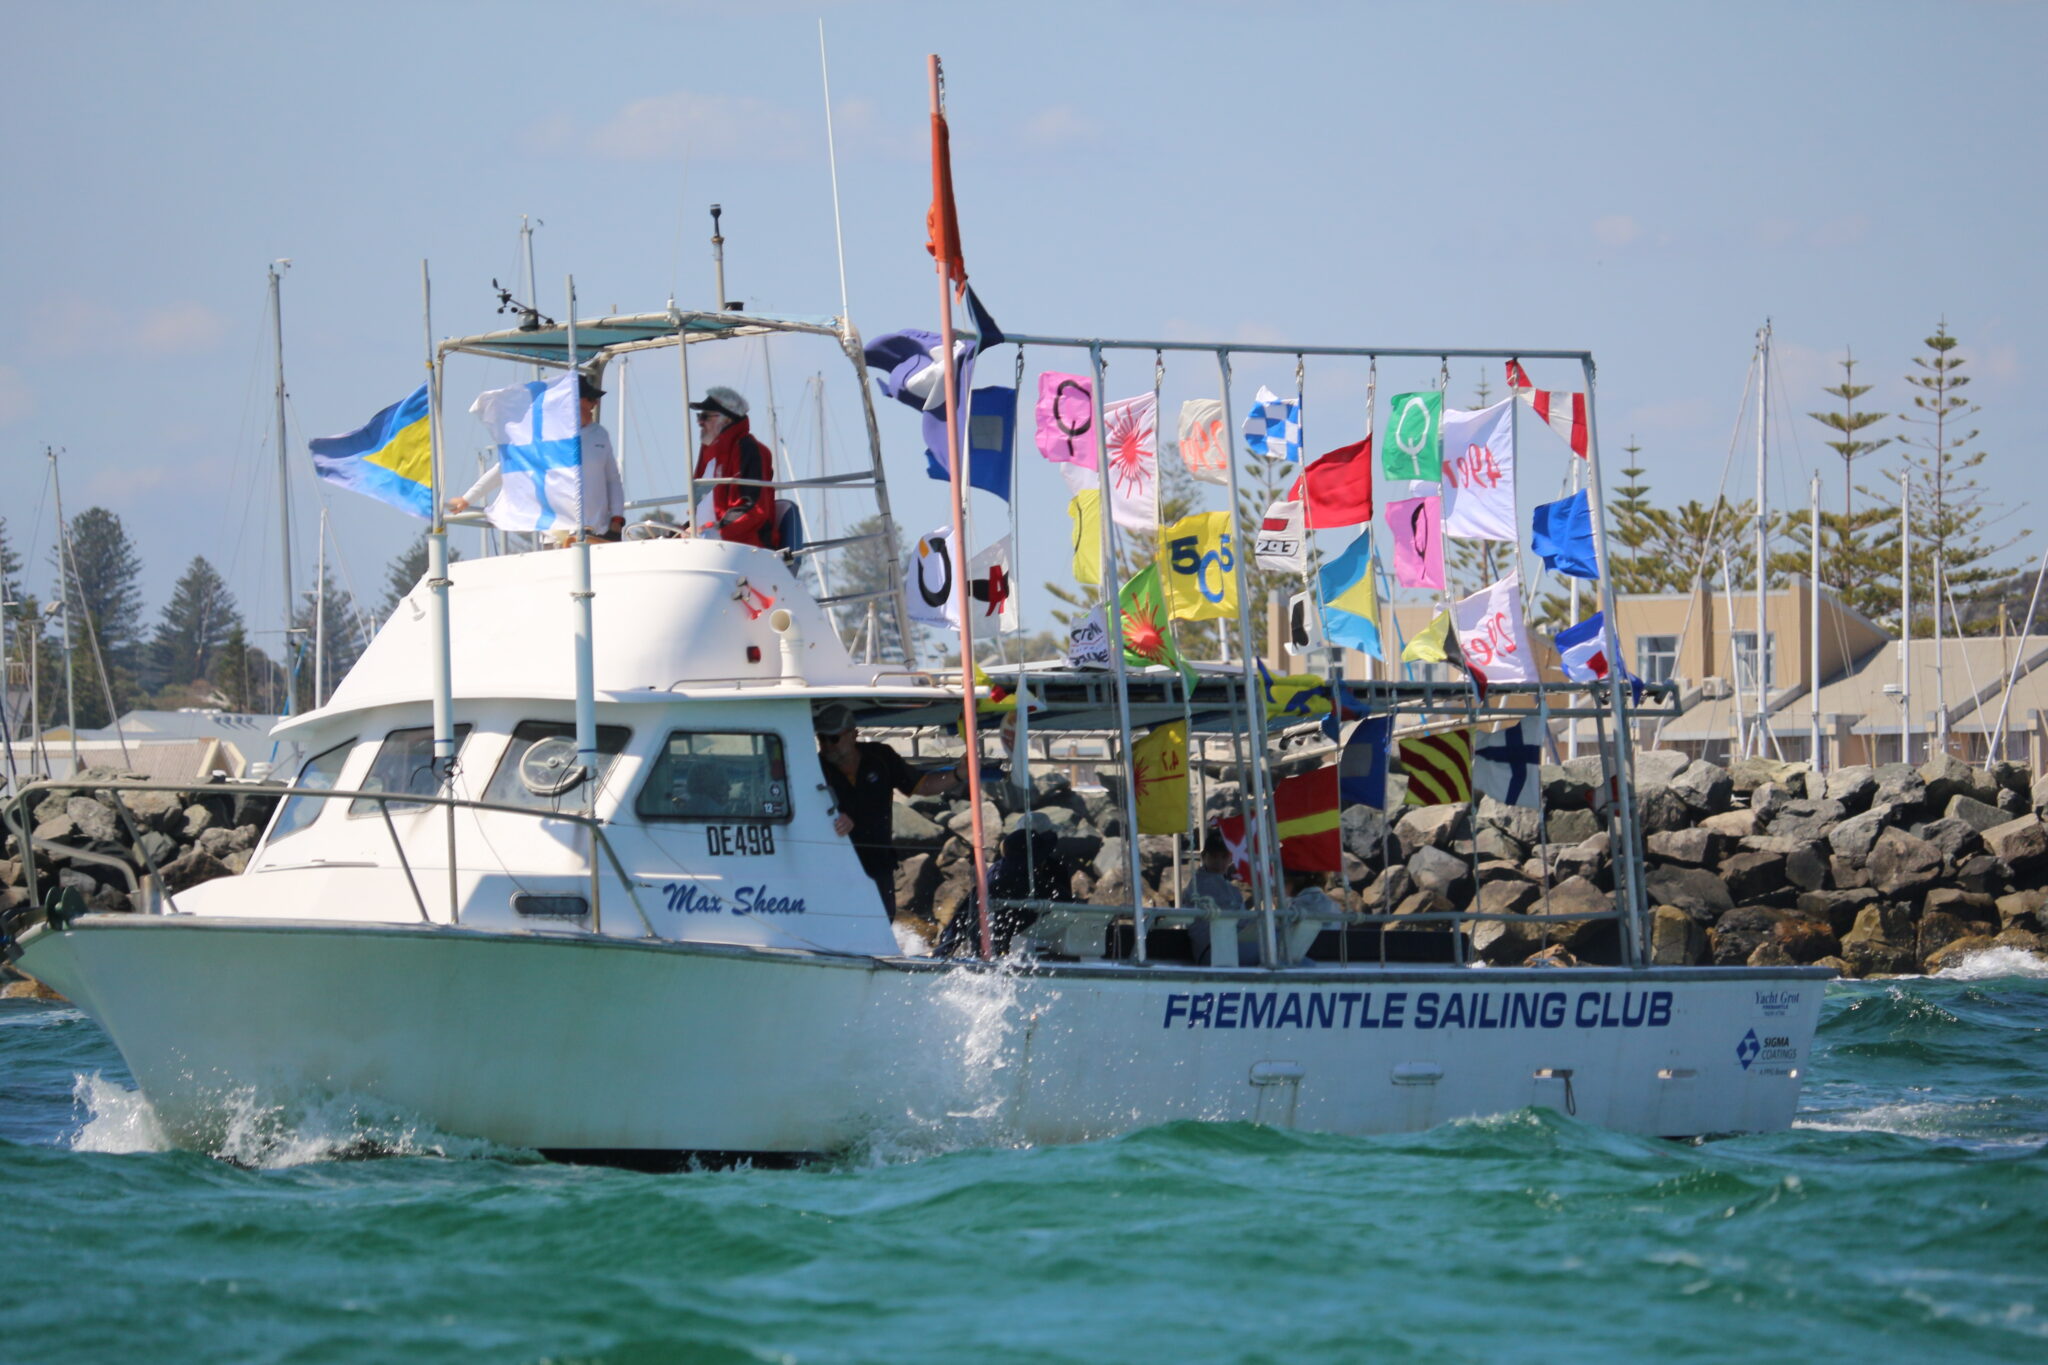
(1418, 1009)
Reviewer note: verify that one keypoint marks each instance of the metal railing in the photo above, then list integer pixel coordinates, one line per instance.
(17, 815)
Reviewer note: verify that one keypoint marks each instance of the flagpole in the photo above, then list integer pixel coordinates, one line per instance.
(946, 256)
(1633, 910)
(1254, 698)
(580, 592)
(437, 588)
(1113, 617)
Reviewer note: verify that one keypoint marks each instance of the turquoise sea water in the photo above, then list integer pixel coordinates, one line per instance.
(1905, 1218)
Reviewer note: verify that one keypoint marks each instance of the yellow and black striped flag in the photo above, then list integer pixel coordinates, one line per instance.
(1439, 768)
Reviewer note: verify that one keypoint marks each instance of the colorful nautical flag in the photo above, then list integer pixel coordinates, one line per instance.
(1304, 623)
(1066, 418)
(1351, 606)
(1159, 769)
(1337, 487)
(1506, 763)
(1203, 447)
(1147, 638)
(1362, 763)
(1088, 641)
(991, 591)
(1273, 426)
(1587, 652)
(1562, 536)
(538, 429)
(1309, 822)
(991, 425)
(1416, 525)
(1414, 448)
(1563, 411)
(1231, 830)
(1282, 542)
(1131, 431)
(911, 370)
(1433, 644)
(1492, 636)
(1439, 768)
(1479, 472)
(389, 457)
(928, 579)
(1084, 509)
(1294, 694)
(1201, 577)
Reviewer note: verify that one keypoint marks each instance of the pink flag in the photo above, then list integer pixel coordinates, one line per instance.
(1066, 418)
(1417, 526)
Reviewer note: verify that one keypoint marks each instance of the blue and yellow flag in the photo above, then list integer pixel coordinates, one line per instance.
(1351, 607)
(389, 457)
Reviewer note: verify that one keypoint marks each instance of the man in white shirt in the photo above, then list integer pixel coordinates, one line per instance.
(604, 499)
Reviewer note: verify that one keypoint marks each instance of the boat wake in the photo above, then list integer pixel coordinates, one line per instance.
(245, 1129)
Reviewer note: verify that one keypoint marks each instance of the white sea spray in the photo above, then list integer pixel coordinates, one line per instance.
(1993, 963)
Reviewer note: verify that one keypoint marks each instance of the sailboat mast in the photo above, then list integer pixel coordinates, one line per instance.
(284, 483)
(320, 617)
(1759, 658)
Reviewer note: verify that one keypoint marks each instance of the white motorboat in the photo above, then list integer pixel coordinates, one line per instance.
(664, 951)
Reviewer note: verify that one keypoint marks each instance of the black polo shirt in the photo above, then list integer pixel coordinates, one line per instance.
(869, 800)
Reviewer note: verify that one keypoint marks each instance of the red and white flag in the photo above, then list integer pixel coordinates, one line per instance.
(1563, 410)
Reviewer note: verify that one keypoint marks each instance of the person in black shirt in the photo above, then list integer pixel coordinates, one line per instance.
(865, 778)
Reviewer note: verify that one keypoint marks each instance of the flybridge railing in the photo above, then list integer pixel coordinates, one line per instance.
(16, 814)
(1267, 873)
(596, 340)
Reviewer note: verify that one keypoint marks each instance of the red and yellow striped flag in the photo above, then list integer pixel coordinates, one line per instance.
(1310, 826)
(1439, 768)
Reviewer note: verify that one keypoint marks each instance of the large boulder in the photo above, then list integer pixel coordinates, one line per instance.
(1957, 839)
(2040, 793)
(2012, 777)
(1574, 826)
(1766, 801)
(1445, 874)
(1697, 892)
(1523, 824)
(1694, 847)
(1704, 787)
(1658, 768)
(1937, 931)
(1589, 858)
(1364, 831)
(1738, 934)
(1662, 810)
(1575, 896)
(1752, 877)
(1948, 777)
(1569, 787)
(1432, 827)
(1806, 819)
(1852, 786)
(1854, 837)
(1676, 938)
(2021, 844)
(913, 832)
(1504, 943)
(1977, 814)
(1900, 784)
(1491, 842)
(1748, 774)
(1882, 941)
(196, 866)
(1509, 897)
(1388, 890)
(1901, 866)
(95, 823)
(1806, 869)
(1734, 824)
(1952, 953)
(1983, 873)
(2022, 910)
(1807, 940)
(164, 811)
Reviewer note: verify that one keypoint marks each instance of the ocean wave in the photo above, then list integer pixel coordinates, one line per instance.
(1996, 963)
(245, 1129)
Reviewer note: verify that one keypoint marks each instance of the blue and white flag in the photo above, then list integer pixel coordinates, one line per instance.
(1273, 427)
(1588, 653)
(991, 430)
(1505, 764)
(538, 428)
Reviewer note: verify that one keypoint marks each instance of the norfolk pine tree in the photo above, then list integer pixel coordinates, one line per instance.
(1948, 514)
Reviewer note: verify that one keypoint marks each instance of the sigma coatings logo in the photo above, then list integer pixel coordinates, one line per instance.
(1746, 1050)
(1772, 1055)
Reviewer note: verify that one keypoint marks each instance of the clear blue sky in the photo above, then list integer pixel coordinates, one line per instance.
(1647, 181)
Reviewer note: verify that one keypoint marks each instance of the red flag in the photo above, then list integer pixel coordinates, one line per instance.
(1305, 811)
(942, 220)
(1230, 828)
(1562, 410)
(1337, 487)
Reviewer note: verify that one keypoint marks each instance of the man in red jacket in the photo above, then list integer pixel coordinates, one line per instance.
(741, 512)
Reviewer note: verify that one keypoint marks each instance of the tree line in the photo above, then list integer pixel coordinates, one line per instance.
(198, 653)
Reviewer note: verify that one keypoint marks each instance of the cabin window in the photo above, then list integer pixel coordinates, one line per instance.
(536, 768)
(1742, 644)
(1656, 657)
(702, 775)
(322, 770)
(405, 763)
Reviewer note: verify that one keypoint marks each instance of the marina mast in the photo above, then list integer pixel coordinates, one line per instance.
(284, 484)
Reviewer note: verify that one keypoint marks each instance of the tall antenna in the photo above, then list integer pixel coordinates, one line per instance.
(832, 157)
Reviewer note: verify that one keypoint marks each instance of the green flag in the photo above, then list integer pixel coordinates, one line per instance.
(1414, 448)
(1147, 638)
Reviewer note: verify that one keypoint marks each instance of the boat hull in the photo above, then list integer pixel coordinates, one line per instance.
(575, 1044)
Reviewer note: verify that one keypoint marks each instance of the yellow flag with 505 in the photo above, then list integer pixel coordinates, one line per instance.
(1198, 553)
(1159, 766)
(1086, 511)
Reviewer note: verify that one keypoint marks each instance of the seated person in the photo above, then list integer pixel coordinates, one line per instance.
(1310, 910)
(743, 512)
(1212, 889)
(1028, 867)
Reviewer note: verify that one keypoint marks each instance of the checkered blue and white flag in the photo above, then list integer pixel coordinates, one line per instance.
(1273, 427)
